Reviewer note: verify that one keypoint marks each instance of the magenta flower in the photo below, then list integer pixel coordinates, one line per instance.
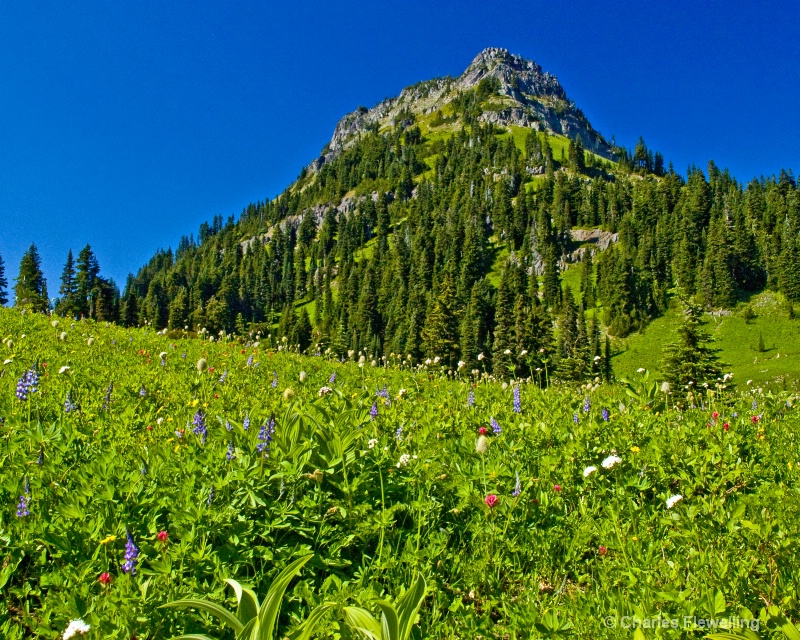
(491, 501)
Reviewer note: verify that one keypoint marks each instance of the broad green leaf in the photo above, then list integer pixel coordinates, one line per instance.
(209, 607)
(193, 636)
(247, 599)
(390, 628)
(304, 631)
(362, 621)
(409, 604)
(270, 608)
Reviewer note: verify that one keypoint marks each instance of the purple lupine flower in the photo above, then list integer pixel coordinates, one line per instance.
(265, 436)
(228, 425)
(210, 498)
(517, 487)
(755, 405)
(274, 379)
(246, 422)
(27, 384)
(383, 393)
(332, 379)
(40, 459)
(735, 414)
(22, 507)
(471, 398)
(107, 396)
(587, 405)
(606, 414)
(231, 454)
(142, 392)
(398, 434)
(575, 418)
(495, 426)
(69, 406)
(373, 413)
(143, 470)
(250, 361)
(223, 377)
(517, 400)
(131, 554)
(199, 426)
(183, 355)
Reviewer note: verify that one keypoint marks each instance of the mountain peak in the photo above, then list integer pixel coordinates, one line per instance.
(525, 96)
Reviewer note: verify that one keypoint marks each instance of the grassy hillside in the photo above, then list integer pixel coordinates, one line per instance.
(736, 339)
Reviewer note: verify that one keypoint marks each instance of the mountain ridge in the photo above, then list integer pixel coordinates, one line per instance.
(536, 100)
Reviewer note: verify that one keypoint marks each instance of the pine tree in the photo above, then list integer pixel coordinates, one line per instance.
(503, 342)
(689, 359)
(86, 275)
(31, 288)
(69, 289)
(3, 284)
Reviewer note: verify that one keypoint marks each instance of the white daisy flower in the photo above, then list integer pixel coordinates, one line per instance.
(673, 500)
(589, 471)
(610, 461)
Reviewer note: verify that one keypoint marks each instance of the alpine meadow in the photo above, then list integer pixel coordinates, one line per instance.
(478, 372)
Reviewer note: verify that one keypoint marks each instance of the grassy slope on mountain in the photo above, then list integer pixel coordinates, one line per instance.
(736, 339)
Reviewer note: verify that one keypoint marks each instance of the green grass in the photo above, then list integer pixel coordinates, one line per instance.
(735, 339)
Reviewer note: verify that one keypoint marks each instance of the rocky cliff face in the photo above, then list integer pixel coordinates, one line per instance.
(530, 98)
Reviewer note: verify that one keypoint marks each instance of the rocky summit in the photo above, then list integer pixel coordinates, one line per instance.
(526, 96)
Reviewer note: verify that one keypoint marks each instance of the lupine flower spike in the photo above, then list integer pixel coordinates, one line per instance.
(131, 554)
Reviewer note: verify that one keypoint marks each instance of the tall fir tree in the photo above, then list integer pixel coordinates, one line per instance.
(31, 288)
(67, 304)
(689, 359)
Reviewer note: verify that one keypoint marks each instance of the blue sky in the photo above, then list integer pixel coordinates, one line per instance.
(125, 125)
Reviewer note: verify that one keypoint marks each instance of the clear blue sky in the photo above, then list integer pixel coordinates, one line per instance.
(127, 124)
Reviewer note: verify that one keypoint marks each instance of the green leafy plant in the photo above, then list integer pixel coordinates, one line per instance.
(395, 622)
(253, 621)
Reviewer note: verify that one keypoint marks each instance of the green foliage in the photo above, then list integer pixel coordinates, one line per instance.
(689, 361)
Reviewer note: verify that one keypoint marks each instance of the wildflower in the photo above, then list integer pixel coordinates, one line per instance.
(63, 336)
(557, 488)
(274, 379)
(587, 405)
(610, 461)
(401, 393)
(265, 435)
(22, 507)
(142, 392)
(223, 377)
(755, 419)
(482, 445)
(507, 352)
(665, 387)
(517, 401)
(673, 500)
(372, 442)
(602, 550)
(162, 536)
(589, 471)
(107, 396)
(75, 627)
(302, 376)
(210, 498)
(68, 404)
(755, 405)
(482, 431)
(575, 418)
(605, 413)
(246, 422)
(373, 412)
(131, 554)
(726, 427)
(517, 487)
(108, 539)
(104, 578)
(288, 393)
(27, 384)
(491, 501)
(324, 391)
(199, 426)
(228, 426)
(461, 364)
(40, 459)
(231, 453)
(481, 356)
(332, 379)
(471, 398)
(640, 370)
(495, 426)
(398, 434)
(715, 415)
(64, 369)
(250, 361)
(403, 461)
(735, 414)
(523, 353)
(635, 449)
(202, 365)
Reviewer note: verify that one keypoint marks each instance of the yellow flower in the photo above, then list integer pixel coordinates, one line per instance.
(108, 539)
(635, 449)
(195, 402)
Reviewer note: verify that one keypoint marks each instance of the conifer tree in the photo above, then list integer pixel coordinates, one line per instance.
(31, 288)
(67, 305)
(689, 359)
(503, 340)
